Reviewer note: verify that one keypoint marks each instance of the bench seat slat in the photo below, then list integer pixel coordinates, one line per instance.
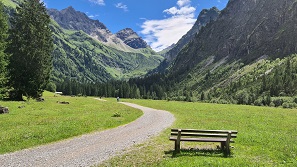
(202, 139)
(203, 134)
(205, 131)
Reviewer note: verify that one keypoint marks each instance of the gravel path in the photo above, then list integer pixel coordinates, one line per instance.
(92, 149)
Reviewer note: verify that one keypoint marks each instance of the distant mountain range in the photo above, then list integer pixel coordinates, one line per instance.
(85, 50)
(88, 51)
(71, 19)
(225, 54)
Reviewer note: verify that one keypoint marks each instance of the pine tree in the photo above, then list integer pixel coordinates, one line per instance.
(3, 55)
(31, 49)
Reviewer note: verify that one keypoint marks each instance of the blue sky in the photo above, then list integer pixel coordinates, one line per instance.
(159, 22)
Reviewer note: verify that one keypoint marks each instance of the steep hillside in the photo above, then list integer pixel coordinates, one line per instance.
(87, 51)
(245, 31)
(70, 19)
(246, 56)
(79, 56)
(205, 16)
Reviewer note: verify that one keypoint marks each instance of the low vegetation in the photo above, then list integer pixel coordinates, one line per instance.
(266, 136)
(34, 123)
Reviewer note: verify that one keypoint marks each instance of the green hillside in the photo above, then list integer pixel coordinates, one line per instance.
(78, 56)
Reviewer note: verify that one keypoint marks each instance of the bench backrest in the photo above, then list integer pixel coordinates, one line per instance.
(203, 133)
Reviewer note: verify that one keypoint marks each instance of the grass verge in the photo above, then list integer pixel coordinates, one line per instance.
(267, 137)
(34, 123)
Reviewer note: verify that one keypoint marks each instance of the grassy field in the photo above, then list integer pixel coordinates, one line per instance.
(266, 137)
(34, 123)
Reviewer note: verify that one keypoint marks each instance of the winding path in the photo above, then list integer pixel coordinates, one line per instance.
(92, 149)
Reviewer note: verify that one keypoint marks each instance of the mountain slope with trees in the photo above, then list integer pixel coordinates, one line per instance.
(246, 56)
(79, 54)
(222, 54)
(87, 51)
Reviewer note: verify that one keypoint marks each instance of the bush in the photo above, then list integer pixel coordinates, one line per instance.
(278, 102)
(289, 105)
(116, 115)
(258, 102)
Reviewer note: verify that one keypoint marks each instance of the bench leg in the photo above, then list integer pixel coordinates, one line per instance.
(223, 145)
(177, 146)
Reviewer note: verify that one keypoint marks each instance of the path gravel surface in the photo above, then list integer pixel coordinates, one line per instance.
(92, 149)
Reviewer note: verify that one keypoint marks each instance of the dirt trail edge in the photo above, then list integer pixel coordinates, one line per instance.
(92, 149)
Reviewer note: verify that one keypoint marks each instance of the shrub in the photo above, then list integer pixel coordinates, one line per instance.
(289, 105)
(116, 115)
(278, 102)
(258, 102)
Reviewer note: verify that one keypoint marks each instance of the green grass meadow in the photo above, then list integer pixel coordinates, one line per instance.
(34, 123)
(266, 137)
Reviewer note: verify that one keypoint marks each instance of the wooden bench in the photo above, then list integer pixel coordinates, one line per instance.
(194, 135)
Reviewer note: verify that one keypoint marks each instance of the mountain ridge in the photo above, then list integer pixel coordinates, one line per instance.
(170, 53)
(79, 55)
(71, 19)
(241, 33)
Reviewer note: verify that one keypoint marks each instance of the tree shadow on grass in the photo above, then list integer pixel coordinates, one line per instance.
(191, 152)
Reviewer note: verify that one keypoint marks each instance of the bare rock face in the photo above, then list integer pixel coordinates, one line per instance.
(245, 31)
(4, 110)
(131, 38)
(71, 19)
(206, 16)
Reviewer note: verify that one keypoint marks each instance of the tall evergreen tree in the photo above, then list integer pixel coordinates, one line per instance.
(3, 55)
(31, 49)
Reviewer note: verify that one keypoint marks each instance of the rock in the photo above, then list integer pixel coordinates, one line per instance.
(40, 99)
(63, 102)
(21, 107)
(4, 110)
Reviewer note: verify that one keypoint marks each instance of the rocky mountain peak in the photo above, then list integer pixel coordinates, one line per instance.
(244, 31)
(71, 19)
(126, 33)
(129, 37)
(205, 17)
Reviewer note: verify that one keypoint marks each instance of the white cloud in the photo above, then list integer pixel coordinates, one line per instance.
(160, 34)
(182, 3)
(98, 2)
(121, 6)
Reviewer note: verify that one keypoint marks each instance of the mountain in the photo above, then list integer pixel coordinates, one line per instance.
(235, 53)
(78, 55)
(131, 38)
(245, 31)
(85, 50)
(70, 19)
(205, 17)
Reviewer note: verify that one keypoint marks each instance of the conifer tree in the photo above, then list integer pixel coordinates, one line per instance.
(3, 55)
(31, 49)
